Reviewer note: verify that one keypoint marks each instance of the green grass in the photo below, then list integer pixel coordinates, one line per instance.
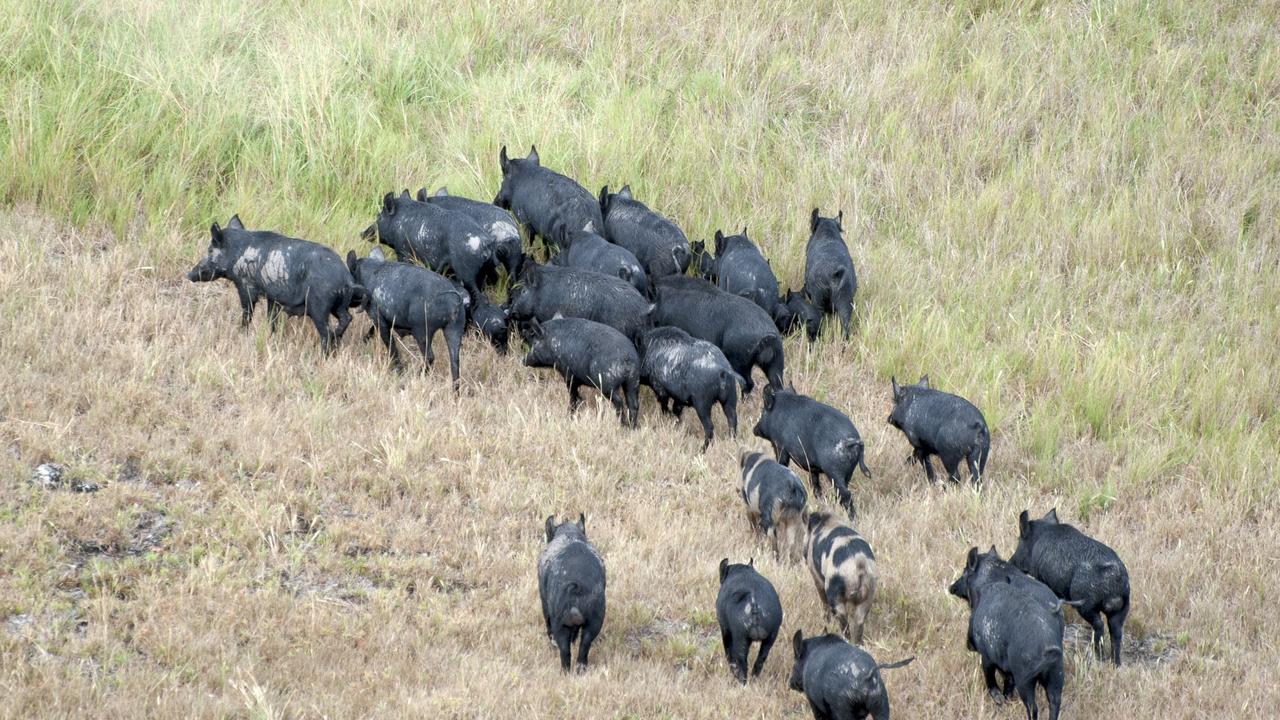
(1065, 211)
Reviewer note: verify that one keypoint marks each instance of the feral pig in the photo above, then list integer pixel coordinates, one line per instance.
(1014, 633)
(793, 311)
(548, 290)
(657, 243)
(690, 373)
(818, 437)
(492, 322)
(704, 263)
(543, 199)
(840, 681)
(571, 584)
(438, 238)
(942, 424)
(509, 251)
(775, 500)
(589, 251)
(829, 280)
(408, 299)
(983, 568)
(844, 571)
(295, 276)
(1078, 569)
(585, 352)
(743, 331)
(749, 611)
(741, 269)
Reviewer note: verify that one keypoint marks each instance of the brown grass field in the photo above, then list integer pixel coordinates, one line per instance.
(1066, 212)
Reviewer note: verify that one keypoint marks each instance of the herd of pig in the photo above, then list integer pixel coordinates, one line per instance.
(614, 309)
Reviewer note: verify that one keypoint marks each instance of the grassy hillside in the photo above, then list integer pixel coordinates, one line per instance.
(1065, 211)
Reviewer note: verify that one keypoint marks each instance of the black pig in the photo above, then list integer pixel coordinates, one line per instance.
(691, 373)
(741, 269)
(657, 243)
(571, 584)
(548, 290)
(438, 238)
(1079, 569)
(818, 437)
(295, 276)
(942, 424)
(410, 300)
(749, 611)
(543, 199)
(496, 221)
(829, 280)
(793, 311)
(743, 331)
(840, 681)
(589, 251)
(585, 352)
(492, 321)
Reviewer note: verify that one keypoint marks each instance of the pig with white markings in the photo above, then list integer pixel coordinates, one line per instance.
(441, 239)
(689, 373)
(749, 612)
(589, 251)
(509, 251)
(545, 291)
(775, 500)
(843, 569)
(741, 269)
(571, 585)
(295, 277)
(942, 424)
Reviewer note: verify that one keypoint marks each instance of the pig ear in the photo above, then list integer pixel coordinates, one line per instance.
(993, 552)
(924, 381)
(897, 391)
(503, 161)
(422, 195)
(1051, 516)
(551, 527)
(604, 200)
(625, 192)
(840, 220)
(377, 254)
(1024, 523)
(719, 243)
(972, 561)
(582, 522)
(752, 562)
(215, 234)
(389, 203)
(351, 260)
(442, 192)
(813, 220)
(797, 644)
(533, 155)
(768, 397)
(724, 569)
(235, 223)
(404, 194)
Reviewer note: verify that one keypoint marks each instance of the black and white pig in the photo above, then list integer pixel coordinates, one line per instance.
(586, 352)
(545, 291)
(749, 611)
(741, 329)
(441, 239)
(543, 200)
(794, 311)
(775, 500)
(1078, 569)
(829, 280)
(840, 681)
(659, 245)
(509, 252)
(589, 251)
(942, 424)
(411, 300)
(571, 584)
(1014, 633)
(690, 373)
(741, 269)
(818, 437)
(296, 277)
(843, 569)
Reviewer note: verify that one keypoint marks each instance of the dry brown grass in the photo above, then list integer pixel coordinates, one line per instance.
(281, 536)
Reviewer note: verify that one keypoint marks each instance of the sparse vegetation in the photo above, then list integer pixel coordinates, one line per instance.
(1064, 211)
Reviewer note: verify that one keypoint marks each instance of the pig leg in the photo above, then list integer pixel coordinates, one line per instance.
(844, 309)
(562, 638)
(617, 397)
(1094, 618)
(344, 319)
(952, 464)
(989, 676)
(923, 457)
(1115, 623)
(737, 650)
(321, 320)
(384, 331)
(815, 479)
(1027, 691)
(574, 398)
(1053, 690)
(248, 299)
(422, 336)
(633, 400)
(453, 342)
(703, 408)
(730, 407)
(784, 457)
(860, 613)
(763, 655)
(589, 633)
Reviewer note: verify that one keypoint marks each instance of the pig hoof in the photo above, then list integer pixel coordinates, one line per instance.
(996, 695)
